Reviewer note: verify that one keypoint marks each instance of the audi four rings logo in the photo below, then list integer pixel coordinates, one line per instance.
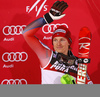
(14, 56)
(14, 81)
(49, 28)
(13, 30)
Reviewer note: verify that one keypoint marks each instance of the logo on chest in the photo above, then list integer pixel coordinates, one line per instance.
(62, 67)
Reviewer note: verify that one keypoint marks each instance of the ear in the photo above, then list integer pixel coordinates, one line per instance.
(68, 44)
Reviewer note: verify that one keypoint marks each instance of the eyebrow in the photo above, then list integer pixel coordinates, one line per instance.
(60, 38)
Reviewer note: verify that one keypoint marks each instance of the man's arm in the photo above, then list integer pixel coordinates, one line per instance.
(32, 41)
(55, 13)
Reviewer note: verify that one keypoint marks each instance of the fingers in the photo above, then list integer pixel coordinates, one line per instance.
(61, 6)
(64, 7)
(56, 3)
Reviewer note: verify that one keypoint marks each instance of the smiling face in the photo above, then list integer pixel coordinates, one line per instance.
(61, 45)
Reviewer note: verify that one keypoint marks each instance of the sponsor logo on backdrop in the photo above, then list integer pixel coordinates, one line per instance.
(49, 29)
(8, 66)
(14, 56)
(12, 30)
(37, 8)
(14, 81)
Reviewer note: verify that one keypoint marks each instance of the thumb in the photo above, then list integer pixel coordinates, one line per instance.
(57, 17)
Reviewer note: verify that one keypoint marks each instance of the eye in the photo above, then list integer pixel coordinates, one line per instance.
(55, 40)
(62, 40)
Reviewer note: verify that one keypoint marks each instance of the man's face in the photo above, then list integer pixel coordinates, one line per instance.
(60, 44)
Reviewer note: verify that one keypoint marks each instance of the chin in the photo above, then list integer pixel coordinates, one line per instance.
(59, 51)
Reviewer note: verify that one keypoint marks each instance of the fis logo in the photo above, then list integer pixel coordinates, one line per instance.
(36, 7)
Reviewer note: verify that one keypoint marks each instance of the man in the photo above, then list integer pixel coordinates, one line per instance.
(60, 61)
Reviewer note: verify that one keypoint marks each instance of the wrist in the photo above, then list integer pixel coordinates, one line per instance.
(48, 18)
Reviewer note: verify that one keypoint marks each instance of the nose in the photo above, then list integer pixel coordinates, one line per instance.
(58, 43)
